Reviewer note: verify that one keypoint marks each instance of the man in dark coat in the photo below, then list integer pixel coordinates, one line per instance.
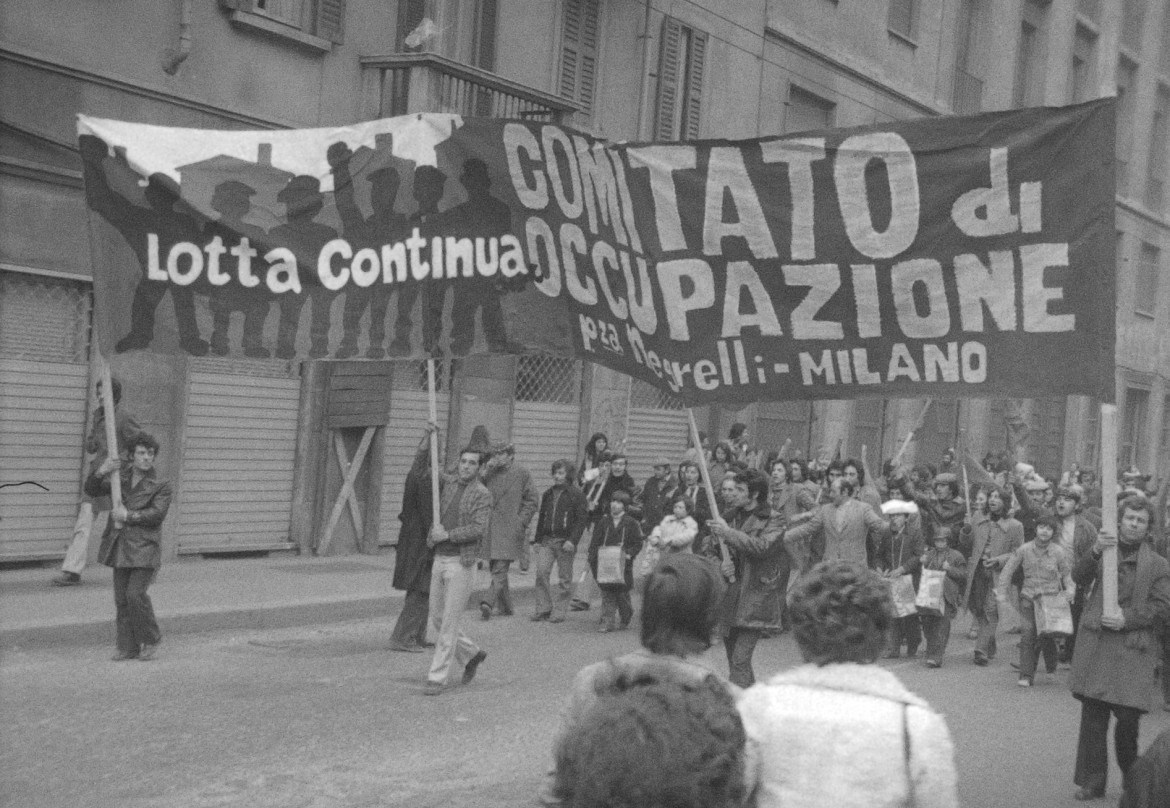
(413, 558)
(656, 495)
(754, 535)
(559, 526)
(1115, 662)
(132, 544)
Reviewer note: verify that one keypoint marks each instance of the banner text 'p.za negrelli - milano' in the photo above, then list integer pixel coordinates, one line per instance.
(947, 256)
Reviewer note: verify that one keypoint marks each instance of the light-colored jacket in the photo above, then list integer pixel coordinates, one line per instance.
(835, 737)
(673, 534)
(851, 532)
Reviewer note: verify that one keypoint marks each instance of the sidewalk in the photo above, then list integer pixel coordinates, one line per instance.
(206, 594)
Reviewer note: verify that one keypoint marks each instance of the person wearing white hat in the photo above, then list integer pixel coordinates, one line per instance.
(900, 554)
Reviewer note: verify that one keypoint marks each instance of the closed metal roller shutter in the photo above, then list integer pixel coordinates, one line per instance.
(42, 429)
(546, 415)
(409, 413)
(44, 383)
(543, 433)
(658, 427)
(239, 449)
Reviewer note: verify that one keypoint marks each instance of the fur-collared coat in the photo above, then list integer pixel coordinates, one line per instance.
(835, 737)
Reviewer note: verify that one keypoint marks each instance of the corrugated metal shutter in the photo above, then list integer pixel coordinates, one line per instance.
(409, 413)
(42, 429)
(658, 427)
(239, 450)
(543, 433)
(44, 382)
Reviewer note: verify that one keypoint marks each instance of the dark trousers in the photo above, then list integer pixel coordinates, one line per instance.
(135, 613)
(937, 628)
(906, 630)
(740, 644)
(411, 628)
(1092, 754)
(1031, 645)
(498, 593)
(616, 599)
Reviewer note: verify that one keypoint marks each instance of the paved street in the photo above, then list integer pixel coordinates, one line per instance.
(324, 716)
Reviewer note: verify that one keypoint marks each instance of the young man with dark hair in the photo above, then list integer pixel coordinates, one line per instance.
(559, 525)
(465, 508)
(132, 543)
(754, 536)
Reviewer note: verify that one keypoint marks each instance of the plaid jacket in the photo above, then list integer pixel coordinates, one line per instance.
(475, 513)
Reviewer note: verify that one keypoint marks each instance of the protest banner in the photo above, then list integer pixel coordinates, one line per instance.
(951, 256)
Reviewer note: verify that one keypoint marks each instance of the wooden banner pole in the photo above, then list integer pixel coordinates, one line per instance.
(1109, 507)
(112, 448)
(434, 413)
(917, 426)
(962, 458)
(706, 474)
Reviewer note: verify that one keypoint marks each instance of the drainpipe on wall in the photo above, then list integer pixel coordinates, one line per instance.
(173, 58)
(645, 70)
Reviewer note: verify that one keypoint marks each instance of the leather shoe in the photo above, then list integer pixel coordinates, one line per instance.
(66, 579)
(536, 618)
(473, 666)
(433, 688)
(1086, 794)
(981, 660)
(485, 611)
(557, 618)
(148, 652)
(409, 649)
(579, 606)
(123, 656)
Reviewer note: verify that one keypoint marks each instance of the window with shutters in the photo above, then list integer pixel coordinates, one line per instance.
(682, 55)
(1146, 288)
(316, 24)
(44, 319)
(579, 43)
(1159, 148)
(1133, 426)
(902, 19)
(807, 111)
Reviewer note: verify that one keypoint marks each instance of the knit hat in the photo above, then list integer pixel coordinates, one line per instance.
(480, 441)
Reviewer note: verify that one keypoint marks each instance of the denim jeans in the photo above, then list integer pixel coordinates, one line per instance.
(550, 553)
(451, 585)
(937, 628)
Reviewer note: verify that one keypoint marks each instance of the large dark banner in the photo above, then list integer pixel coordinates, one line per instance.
(948, 256)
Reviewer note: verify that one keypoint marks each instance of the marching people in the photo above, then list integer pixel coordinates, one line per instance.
(901, 554)
(674, 534)
(514, 503)
(839, 730)
(1116, 659)
(937, 627)
(591, 457)
(942, 507)
(854, 471)
(691, 486)
(413, 556)
(618, 530)
(753, 535)
(654, 500)
(465, 508)
(94, 511)
(559, 526)
(1076, 535)
(990, 543)
(845, 528)
(1047, 571)
(132, 543)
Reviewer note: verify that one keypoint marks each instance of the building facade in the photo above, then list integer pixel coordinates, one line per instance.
(257, 460)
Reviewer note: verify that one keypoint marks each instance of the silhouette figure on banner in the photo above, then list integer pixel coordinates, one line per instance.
(303, 201)
(383, 226)
(485, 216)
(232, 199)
(428, 190)
(168, 217)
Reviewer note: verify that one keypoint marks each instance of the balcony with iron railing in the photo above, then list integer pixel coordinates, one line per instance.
(968, 93)
(404, 83)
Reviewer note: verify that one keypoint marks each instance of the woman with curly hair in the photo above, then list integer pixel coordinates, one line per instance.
(839, 731)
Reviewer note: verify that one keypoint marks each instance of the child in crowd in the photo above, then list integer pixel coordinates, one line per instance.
(937, 627)
(618, 529)
(674, 534)
(1047, 571)
(900, 554)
